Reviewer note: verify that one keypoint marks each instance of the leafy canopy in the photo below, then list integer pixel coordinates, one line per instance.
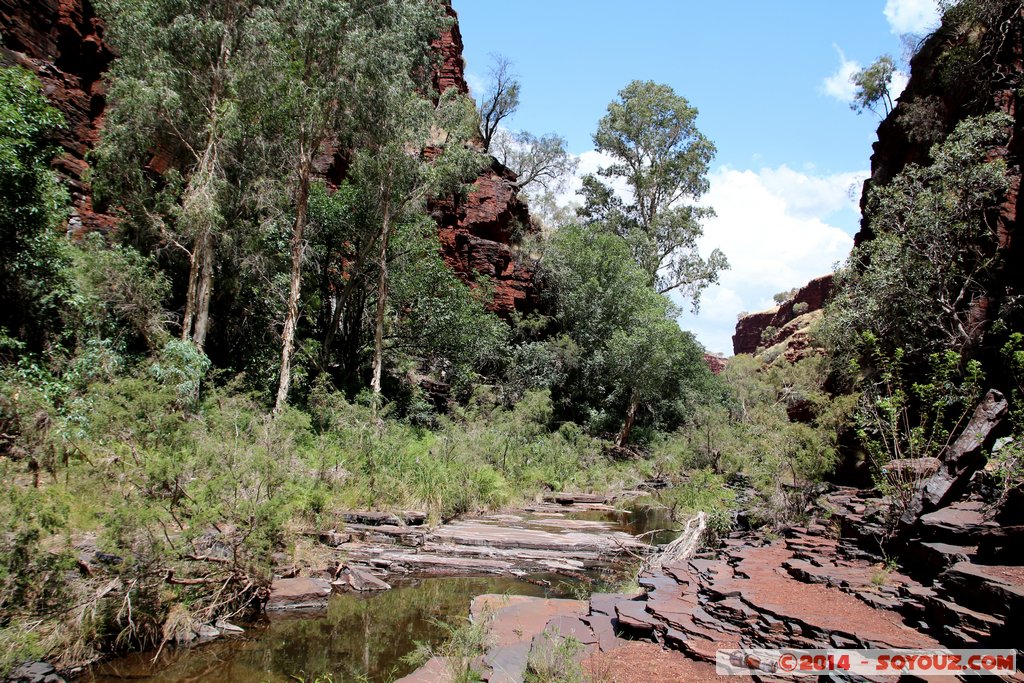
(651, 134)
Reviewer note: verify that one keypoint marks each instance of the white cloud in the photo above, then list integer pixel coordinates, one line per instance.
(777, 226)
(839, 85)
(477, 84)
(772, 226)
(898, 83)
(912, 16)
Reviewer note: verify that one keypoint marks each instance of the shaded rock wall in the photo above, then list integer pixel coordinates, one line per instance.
(750, 329)
(936, 99)
(62, 42)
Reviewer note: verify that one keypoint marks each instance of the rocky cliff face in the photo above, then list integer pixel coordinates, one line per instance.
(785, 324)
(62, 41)
(479, 233)
(958, 73)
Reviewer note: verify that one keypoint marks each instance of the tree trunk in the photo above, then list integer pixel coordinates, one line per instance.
(627, 426)
(190, 294)
(204, 290)
(382, 295)
(198, 204)
(295, 287)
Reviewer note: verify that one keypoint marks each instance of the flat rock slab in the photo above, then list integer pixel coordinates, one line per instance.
(298, 593)
(479, 533)
(762, 583)
(436, 670)
(507, 664)
(959, 519)
(361, 580)
(374, 518)
(564, 498)
(518, 618)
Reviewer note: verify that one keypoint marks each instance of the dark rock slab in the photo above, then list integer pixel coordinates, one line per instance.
(564, 498)
(353, 578)
(959, 461)
(604, 628)
(410, 537)
(298, 593)
(634, 617)
(375, 518)
(986, 588)
(1001, 545)
(35, 672)
(507, 664)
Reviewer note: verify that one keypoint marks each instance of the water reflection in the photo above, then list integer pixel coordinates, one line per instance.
(357, 638)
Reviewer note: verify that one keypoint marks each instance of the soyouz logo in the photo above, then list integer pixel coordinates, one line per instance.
(866, 662)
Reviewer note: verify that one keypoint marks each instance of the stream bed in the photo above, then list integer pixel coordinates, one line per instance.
(360, 636)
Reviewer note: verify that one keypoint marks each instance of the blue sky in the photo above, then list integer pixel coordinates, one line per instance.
(770, 82)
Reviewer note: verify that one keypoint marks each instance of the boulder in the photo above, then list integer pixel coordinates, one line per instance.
(35, 672)
(298, 593)
(356, 579)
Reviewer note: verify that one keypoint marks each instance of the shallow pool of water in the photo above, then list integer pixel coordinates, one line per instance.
(359, 637)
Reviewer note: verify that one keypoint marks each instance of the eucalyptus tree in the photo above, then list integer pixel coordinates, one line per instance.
(417, 150)
(873, 85)
(499, 101)
(650, 133)
(167, 145)
(628, 359)
(327, 73)
(538, 162)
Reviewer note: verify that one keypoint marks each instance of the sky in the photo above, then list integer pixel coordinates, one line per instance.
(771, 83)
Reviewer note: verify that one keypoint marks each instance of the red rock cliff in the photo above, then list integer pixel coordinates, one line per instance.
(479, 233)
(750, 329)
(62, 42)
(990, 60)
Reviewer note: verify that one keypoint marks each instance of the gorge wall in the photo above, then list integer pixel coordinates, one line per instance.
(786, 324)
(62, 41)
(959, 72)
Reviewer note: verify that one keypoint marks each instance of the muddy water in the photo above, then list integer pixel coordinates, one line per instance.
(359, 637)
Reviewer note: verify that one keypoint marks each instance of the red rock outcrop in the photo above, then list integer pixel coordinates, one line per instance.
(478, 234)
(62, 42)
(715, 362)
(990, 60)
(750, 329)
(451, 72)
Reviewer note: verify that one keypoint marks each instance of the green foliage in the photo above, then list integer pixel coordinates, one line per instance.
(463, 645)
(784, 296)
(651, 133)
(873, 83)
(897, 419)
(622, 350)
(932, 254)
(750, 433)
(181, 366)
(37, 290)
(555, 659)
(122, 293)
